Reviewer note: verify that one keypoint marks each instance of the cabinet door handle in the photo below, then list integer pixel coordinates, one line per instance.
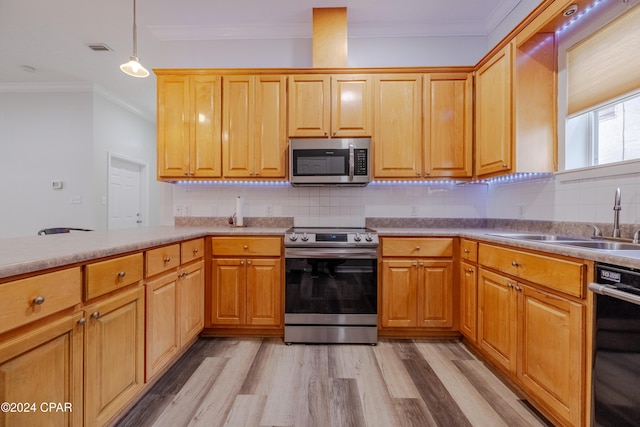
(421, 264)
(241, 262)
(470, 270)
(509, 285)
(415, 263)
(195, 251)
(82, 321)
(245, 247)
(417, 248)
(515, 264)
(248, 261)
(518, 288)
(95, 314)
(122, 274)
(39, 300)
(166, 259)
(466, 251)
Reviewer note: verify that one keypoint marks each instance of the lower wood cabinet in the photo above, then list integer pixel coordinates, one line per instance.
(469, 300)
(44, 364)
(246, 283)
(417, 283)
(114, 354)
(537, 336)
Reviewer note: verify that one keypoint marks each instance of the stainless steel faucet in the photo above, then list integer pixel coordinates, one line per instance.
(616, 214)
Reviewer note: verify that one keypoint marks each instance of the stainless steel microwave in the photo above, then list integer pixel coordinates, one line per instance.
(334, 161)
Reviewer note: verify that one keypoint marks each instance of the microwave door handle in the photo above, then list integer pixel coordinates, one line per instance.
(351, 162)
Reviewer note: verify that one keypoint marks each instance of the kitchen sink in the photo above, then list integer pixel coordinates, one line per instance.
(604, 246)
(539, 237)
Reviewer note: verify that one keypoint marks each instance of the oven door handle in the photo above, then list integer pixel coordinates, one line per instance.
(352, 165)
(351, 253)
(612, 291)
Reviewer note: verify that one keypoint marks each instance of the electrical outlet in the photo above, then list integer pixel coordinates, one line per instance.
(269, 209)
(76, 200)
(178, 210)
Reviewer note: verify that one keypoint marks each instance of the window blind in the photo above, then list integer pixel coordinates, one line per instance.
(605, 65)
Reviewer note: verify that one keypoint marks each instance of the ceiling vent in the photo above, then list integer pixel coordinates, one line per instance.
(99, 47)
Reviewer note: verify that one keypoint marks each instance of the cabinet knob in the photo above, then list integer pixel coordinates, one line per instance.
(39, 300)
(504, 166)
(466, 251)
(166, 259)
(515, 264)
(82, 321)
(417, 248)
(246, 246)
(195, 251)
(509, 285)
(518, 288)
(95, 314)
(428, 173)
(470, 270)
(248, 261)
(242, 262)
(415, 263)
(421, 264)
(122, 274)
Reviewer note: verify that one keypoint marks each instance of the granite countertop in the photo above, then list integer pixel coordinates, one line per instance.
(23, 255)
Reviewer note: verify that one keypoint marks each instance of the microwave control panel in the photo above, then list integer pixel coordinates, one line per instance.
(360, 160)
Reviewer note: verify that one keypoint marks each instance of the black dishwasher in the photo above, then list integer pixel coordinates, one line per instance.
(616, 367)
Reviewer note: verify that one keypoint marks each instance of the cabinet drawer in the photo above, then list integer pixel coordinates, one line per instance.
(554, 273)
(23, 301)
(106, 276)
(162, 259)
(193, 249)
(417, 247)
(469, 250)
(241, 246)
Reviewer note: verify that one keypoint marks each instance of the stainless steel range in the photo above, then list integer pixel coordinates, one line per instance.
(331, 291)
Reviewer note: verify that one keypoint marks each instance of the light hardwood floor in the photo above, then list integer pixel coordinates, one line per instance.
(262, 382)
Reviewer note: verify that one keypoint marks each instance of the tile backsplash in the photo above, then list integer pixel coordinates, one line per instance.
(545, 198)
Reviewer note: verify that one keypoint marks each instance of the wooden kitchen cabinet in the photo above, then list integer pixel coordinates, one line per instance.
(469, 289)
(334, 106)
(397, 140)
(531, 323)
(189, 126)
(417, 288)
(174, 303)
(44, 364)
(448, 125)
(246, 282)
(254, 126)
(493, 111)
(113, 355)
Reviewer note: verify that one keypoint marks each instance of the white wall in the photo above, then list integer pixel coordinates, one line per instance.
(63, 133)
(45, 137)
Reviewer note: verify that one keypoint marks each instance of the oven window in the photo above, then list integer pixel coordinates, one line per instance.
(331, 286)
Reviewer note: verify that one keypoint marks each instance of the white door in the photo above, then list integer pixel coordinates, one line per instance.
(125, 194)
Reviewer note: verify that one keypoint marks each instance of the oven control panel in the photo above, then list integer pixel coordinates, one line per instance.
(331, 237)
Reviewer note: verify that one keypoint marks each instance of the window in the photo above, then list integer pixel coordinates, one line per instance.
(603, 94)
(607, 134)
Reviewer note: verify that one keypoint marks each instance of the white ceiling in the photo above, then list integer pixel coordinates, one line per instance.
(52, 36)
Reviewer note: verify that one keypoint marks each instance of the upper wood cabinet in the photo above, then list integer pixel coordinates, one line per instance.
(254, 133)
(448, 125)
(397, 141)
(330, 106)
(516, 107)
(493, 114)
(189, 137)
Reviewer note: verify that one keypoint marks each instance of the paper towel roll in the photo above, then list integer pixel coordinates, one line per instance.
(239, 219)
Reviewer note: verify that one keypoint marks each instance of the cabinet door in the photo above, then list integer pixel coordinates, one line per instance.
(162, 335)
(468, 300)
(205, 115)
(228, 291)
(497, 311)
(448, 125)
(494, 114)
(264, 292)
(191, 302)
(114, 354)
(399, 293)
(173, 126)
(351, 105)
(270, 130)
(43, 365)
(550, 359)
(435, 294)
(309, 105)
(398, 126)
(237, 126)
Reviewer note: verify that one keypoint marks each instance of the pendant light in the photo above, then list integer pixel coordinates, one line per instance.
(134, 67)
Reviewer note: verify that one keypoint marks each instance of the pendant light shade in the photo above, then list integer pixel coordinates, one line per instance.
(134, 67)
